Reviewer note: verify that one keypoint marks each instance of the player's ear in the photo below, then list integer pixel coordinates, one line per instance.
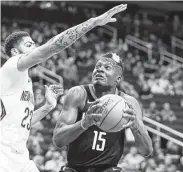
(118, 79)
(14, 51)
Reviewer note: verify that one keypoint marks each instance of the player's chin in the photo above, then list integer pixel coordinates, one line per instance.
(100, 82)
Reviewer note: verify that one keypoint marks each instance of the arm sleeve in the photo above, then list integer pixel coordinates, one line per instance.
(11, 79)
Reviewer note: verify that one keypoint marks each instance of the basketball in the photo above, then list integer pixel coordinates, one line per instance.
(112, 113)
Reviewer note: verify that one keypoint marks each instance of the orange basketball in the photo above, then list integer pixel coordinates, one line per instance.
(112, 113)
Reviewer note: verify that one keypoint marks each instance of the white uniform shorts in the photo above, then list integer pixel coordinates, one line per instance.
(10, 161)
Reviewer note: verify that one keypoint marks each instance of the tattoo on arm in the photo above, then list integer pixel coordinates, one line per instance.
(46, 111)
(68, 37)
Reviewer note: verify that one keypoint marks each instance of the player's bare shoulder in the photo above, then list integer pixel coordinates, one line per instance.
(127, 97)
(130, 99)
(75, 96)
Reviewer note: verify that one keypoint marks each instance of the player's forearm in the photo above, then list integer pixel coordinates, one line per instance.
(68, 37)
(55, 45)
(142, 140)
(67, 133)
(40, 113)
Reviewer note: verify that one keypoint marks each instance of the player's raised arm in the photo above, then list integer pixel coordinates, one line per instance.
(66, 38)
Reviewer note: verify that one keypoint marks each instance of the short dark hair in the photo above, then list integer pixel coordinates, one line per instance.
(12, 39)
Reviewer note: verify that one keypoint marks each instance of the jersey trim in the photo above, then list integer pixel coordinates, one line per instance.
(117, 92)
(85, 97)
(3, 111)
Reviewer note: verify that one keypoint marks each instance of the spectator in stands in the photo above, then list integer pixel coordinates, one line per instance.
(38, 138)
(86, 79)
(128, 89)
(141, 80)
(138, 69)
(137, 24)
(177, 25)
(39, 97)
(181, 103)
(34, 147)
(152, 112)
(55, 115)
(132, 160)
(61, 66)
(180, 166)
(150, 66)
(167, 114)
(173, 167)
(150, 165)
(144, 88)
(145, 92)
(70, 74)
(137, 56)
(169, 163)
(129, 60)
(51, 65)
(54, 163)
(160, 157)
(39, 161)
(164, 85)
(161, 168)
(172, 149)
(178, 87)
(84, 58)
(63, 158)
(154, 85)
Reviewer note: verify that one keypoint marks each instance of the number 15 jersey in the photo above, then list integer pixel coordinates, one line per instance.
(94, 147)
(17, 105)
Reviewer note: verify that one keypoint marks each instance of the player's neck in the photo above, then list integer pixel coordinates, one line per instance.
(100, 91)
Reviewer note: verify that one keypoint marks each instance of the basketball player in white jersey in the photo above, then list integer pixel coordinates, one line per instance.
(17, 100)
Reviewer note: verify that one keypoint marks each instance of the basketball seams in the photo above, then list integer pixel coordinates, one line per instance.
(109, 112)
(117, 123)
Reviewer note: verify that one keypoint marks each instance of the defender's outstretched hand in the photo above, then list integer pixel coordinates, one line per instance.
(52, 93)
(107, 16)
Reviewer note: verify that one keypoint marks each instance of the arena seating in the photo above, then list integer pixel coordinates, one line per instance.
(45, 31)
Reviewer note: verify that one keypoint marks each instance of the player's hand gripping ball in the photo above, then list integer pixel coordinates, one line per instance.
(113, 117)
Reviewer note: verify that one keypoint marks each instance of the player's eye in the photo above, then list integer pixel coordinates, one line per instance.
(108, 67)
(29, 44)
(97, 66)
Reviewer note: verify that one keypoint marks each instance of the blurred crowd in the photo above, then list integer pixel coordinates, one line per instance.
(153, 76)
(75, 64)
(165, 114)
(169, 159)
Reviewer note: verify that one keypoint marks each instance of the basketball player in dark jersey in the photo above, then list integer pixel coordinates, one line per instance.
(89, 148)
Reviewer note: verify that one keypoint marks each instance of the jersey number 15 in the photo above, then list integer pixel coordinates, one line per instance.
(98, 138)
